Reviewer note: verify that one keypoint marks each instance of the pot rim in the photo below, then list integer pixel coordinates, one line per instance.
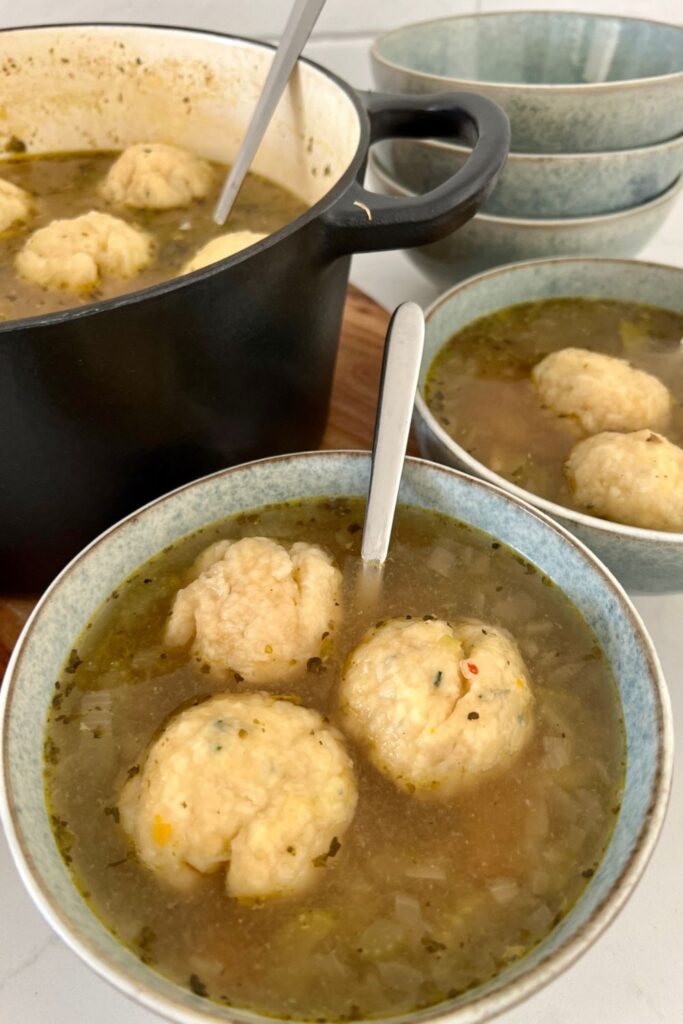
(173, 284)
(539, 223)
(535, 87)
(549, 508)
(481, 1008)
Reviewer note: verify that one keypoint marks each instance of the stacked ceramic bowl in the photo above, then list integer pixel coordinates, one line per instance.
(596, 109)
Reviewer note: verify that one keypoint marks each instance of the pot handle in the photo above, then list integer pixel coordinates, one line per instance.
(363, 221)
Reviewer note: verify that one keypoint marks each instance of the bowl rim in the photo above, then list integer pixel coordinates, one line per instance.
(539, 223)
(564, 157)
(550, 508)
(481, 1008)
(536, 87)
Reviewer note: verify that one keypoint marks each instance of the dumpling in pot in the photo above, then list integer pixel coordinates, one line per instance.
(16, 205)
(438, 706)
(258, 608)
(154, 176)
(634, 478)
(77, 254)
(252, 783)
(220, 248)
(602, 392)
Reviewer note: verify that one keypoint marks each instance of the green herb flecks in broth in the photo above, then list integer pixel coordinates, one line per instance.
(67, 185)
(423, 899)
(479, 385)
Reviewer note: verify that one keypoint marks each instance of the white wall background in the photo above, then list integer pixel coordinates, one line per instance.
(343, 34)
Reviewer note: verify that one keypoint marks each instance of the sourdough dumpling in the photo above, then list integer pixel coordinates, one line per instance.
(437, 705)
(16, 205)
(258, 608)
(220, 248)
(602, 392)
(634, 478)
(253, 783)
(154, 176)
(77, 254)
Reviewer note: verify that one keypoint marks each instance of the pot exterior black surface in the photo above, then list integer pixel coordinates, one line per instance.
(101, 414)
(111, 405)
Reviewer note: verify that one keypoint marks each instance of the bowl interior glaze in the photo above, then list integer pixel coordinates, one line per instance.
(80, 590)
(537, 48)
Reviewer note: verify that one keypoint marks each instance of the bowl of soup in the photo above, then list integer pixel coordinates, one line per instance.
(141, 346)
(242, 788)
(532, 379)
(570, 81)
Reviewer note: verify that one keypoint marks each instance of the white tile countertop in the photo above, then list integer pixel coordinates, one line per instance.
(631, 976)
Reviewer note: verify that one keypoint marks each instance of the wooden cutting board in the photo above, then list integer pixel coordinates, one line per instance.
(356, 381)
(350, 424)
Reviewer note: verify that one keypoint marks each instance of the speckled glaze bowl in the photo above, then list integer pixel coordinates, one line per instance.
(490, 241)
(569, 82)
(85, 584)
(646, 561)
(545, 184)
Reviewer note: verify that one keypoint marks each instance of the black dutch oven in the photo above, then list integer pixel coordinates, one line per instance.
(104, 407)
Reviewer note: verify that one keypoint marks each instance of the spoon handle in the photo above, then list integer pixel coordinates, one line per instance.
(297, 30)
(400, 370)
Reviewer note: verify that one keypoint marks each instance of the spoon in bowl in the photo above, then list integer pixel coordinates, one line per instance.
(398, 384)
(297, 30)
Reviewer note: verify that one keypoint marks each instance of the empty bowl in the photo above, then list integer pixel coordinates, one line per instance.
(546, 184)
(646, 561)
(490, 241)
(569, 82)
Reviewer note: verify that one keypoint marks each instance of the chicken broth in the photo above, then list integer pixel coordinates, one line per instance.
(480, 390)
(68, 185)
(423, 898)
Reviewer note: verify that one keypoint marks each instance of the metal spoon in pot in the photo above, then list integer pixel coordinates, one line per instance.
(297, 30)
(398, 383)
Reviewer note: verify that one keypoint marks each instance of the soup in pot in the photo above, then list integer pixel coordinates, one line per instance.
(297, 801)
(126, 245)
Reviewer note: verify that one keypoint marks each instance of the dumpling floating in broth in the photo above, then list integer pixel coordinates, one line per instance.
(77, 254)
(16, 205)
(602, 392)
(251, 783)
(258, 608)
(220, 248)
(634, 478)
(154, 176)
(437, 705)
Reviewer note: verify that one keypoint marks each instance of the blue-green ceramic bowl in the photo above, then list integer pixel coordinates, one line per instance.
(84, 585)
(569, 82)
(490, 241)
(545, 184)
(646, 561)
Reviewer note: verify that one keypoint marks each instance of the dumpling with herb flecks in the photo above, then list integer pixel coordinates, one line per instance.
(249, 783)
(258, 608)
(438, 706)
